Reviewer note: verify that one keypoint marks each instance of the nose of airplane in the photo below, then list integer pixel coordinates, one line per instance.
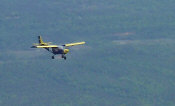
(66, 51)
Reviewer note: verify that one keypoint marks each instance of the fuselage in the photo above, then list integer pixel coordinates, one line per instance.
(59, 50)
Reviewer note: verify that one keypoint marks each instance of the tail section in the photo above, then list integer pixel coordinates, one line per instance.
(40, 40)
(42, 44)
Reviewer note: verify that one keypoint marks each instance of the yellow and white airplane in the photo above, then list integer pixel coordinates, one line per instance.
(55, 49)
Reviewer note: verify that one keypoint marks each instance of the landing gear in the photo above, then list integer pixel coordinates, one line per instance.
(64, 57)
(53, 57)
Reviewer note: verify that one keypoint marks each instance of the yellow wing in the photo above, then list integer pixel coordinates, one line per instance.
(74, 44)
(49, 46)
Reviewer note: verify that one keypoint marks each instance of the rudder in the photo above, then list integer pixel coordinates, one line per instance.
(40, 40)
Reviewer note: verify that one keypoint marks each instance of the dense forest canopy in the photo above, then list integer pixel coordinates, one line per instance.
(128, 58)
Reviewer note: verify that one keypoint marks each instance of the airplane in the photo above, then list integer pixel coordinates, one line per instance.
(55, 49)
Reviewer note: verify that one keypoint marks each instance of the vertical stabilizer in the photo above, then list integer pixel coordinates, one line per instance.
(40, 40)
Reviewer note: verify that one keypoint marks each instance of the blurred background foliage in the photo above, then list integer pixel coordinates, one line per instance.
(128, 59)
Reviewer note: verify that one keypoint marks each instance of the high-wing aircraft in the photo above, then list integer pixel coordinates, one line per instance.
(55, 49)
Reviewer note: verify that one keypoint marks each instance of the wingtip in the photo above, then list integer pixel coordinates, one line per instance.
(33, 47)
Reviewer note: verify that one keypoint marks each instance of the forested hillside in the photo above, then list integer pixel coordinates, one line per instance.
(128, 58)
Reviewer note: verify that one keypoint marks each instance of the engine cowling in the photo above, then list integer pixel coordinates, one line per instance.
(66, 51)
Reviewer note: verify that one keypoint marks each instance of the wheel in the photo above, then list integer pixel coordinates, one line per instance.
(64, 57)
(53, 57)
